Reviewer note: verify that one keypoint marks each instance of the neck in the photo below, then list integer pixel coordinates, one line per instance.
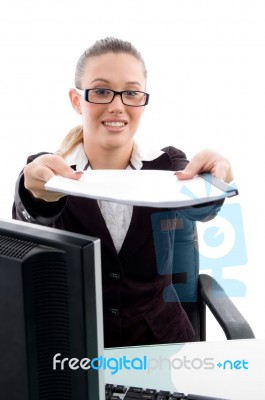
(101, 158)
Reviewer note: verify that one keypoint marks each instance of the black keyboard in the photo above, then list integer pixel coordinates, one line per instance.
(119, 392)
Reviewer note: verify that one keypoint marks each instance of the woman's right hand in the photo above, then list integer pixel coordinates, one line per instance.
(42, 169)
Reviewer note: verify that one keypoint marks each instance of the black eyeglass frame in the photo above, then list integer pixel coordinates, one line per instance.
(115, 93)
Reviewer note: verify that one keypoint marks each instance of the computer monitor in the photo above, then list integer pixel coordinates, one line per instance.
(50, 303)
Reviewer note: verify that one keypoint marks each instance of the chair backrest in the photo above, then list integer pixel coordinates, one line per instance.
(177, 253)
(181, 258)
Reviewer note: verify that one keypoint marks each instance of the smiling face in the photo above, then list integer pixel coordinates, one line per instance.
(110, 126)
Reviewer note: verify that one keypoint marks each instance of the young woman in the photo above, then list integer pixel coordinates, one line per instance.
(110, 96)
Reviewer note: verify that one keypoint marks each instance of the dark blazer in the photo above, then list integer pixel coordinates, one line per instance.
(140, 303)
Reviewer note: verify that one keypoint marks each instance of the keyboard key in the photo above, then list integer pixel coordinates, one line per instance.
(180, 398)
(150, 391)
(108, 394)
(109, 386)
(176, 395)
(119, 389)
(163, 395)
(135, 389)
(139, 396)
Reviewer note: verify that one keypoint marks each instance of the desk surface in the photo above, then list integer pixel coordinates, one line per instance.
(231, 369)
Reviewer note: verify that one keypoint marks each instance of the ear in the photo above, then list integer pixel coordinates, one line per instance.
(75, 100)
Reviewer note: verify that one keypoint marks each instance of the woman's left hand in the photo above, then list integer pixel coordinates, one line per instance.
(208, 161)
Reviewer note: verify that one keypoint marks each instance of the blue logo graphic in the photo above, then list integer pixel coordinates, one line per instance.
(233, 365)
(221, 245)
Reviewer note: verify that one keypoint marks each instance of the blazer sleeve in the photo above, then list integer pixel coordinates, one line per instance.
(204, 212)
(27, 208)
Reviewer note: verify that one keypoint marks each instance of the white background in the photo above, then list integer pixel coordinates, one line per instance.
(206, 67)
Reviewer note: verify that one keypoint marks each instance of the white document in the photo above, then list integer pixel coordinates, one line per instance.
(153, 188)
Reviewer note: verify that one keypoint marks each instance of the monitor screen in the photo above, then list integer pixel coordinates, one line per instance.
(50, 304)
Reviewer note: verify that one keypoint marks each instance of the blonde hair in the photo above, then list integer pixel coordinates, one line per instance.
(102, 46)
(71, 140)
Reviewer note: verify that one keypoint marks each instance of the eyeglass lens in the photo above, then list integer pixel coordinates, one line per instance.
(129, 97)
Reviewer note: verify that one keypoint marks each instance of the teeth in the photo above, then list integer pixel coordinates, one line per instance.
(116, 124)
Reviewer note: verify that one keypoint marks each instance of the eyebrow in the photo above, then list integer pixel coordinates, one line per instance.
(106, 81)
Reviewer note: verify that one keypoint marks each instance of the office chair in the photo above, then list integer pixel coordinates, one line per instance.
(195, 290)
(211, 294)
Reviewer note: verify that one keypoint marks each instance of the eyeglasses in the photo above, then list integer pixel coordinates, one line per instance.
(133, 98)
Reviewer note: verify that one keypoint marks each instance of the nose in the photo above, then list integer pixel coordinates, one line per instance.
(116, 105)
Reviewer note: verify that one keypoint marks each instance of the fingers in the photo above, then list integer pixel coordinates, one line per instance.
(56, 165)
(42, 169)
(38, 172)
(201, 162)
(222, 170)
(208, 161)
